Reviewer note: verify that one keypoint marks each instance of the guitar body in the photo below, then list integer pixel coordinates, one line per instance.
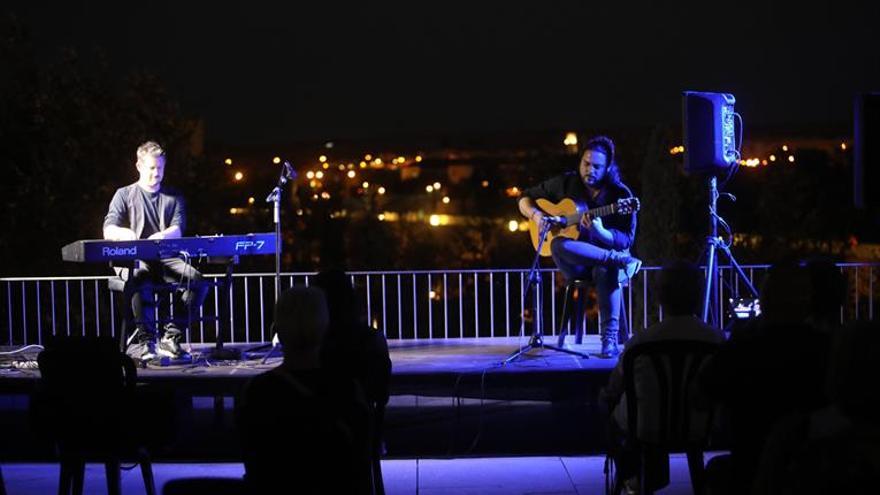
(571, 212)
(567, 208)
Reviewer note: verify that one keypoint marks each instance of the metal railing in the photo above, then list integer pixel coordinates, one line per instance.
(424, 304)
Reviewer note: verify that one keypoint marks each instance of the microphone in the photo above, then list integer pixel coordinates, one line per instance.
(289, 172)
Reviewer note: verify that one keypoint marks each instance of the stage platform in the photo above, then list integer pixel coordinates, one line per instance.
(439, 368)
(449, 398)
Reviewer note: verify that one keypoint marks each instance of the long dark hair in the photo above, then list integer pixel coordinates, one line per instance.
(604, 144)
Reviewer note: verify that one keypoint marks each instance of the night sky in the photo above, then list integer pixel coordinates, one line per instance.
(265, 73)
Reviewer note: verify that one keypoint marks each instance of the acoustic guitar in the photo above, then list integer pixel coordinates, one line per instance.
(569, 213)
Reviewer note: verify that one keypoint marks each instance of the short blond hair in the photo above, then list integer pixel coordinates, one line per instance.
(150, 148)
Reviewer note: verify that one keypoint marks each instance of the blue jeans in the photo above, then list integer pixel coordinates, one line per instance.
(577, 259)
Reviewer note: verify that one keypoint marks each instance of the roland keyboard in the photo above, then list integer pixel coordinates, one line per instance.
(219, 246)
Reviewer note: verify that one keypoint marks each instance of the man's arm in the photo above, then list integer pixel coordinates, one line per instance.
(528, 208)
(172, 232)
(117, 233)
(116, 214)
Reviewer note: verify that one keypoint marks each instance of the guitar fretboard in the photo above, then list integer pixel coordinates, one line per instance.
(603, 210)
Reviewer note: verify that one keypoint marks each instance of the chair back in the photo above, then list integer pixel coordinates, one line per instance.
(85, 390)
(663, 405)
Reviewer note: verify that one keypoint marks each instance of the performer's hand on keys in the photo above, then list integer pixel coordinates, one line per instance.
(124, 234)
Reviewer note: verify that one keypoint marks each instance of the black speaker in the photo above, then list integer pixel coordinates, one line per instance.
(709, 132)
(866, 163)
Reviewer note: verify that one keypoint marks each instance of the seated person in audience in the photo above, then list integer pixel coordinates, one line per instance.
(303, 428)
(836, 448)
(774, 369)
(680, 288)
(351, 346)
(827, 294)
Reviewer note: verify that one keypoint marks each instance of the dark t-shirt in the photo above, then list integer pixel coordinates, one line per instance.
(569, 185)
(144, 212)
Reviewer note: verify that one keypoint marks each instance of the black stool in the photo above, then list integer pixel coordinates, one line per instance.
(129, 323)
(581, 284)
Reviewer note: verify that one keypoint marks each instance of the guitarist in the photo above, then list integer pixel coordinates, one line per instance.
(602, 248)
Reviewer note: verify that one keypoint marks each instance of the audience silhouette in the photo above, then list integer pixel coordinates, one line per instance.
(356, 350)
(680, 286)
(304, 428)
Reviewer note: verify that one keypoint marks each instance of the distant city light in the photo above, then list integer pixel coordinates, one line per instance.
(319, 174)
(341, 167)
(377, 161)
(310, 175)
(401, 159)
(485, 183)
(512, 192)
(434, 220)
(381, 190)
(433, 294)
(325, 195)
(763, 162)
(326, 165)
(843, 146)
(315, 197)
(784, 147)
(228, 161)
(446, 200)
(791, 158)
(235, 211)
(513, 225)
(276, 160)
(368, 157)
(381, 217)
(299, 212)
(676, 150)
(418, 158)
(328, 145)
(363, 164)
(571, 139)
(772, 158)
(365, 185)
(429, 188)
(322, 158)
(313, 183)
(239, 176)
(437, 186)
(251, 200)
(351, 174)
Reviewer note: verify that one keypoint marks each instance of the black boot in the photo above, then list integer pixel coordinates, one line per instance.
(629, 264)
(609, 346)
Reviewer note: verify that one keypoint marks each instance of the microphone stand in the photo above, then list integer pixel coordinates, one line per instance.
(534, 281)
(274, 197)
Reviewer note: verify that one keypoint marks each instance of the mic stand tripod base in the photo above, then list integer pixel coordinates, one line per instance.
(222, 354)
(537, 342)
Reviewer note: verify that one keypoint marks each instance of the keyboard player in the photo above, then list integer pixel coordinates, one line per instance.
(149, 210)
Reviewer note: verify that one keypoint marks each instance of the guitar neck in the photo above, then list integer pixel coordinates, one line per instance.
(602, 210)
